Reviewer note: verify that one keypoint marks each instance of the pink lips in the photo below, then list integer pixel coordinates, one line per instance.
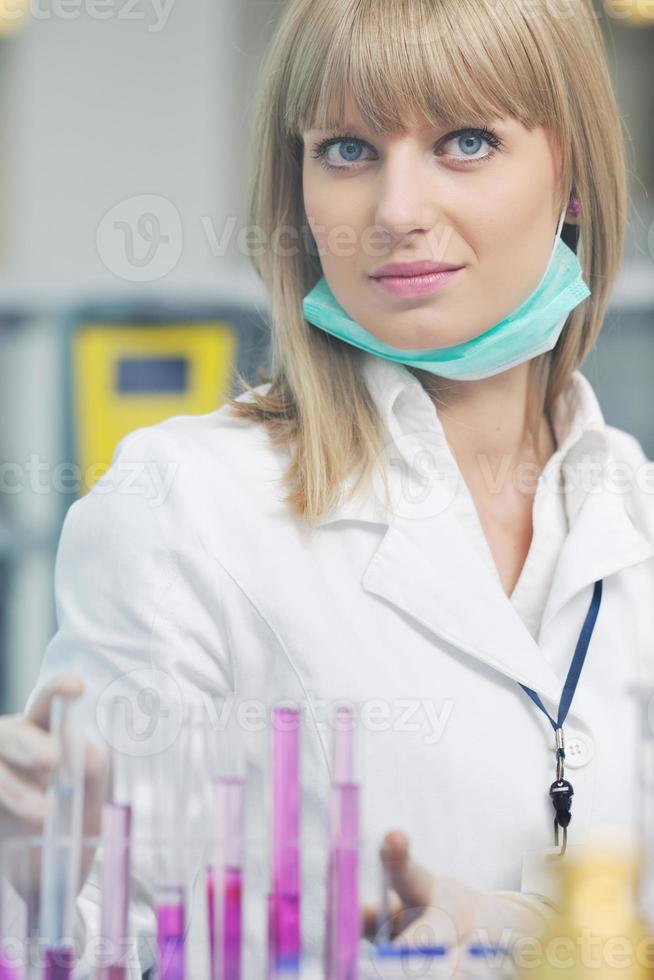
(417, 285)
(422, 267)
(415, 278)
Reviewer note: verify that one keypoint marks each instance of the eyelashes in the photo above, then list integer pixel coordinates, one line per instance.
(484, 133)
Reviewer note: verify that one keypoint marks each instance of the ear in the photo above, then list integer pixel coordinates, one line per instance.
(572, 213)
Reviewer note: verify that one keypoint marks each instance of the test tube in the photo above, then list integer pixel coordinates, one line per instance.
(284, 900)
(169, 779)
(62, 840)
(116, 851)
(13, 857)
(8, 970)
(342, 926)
(226, 882)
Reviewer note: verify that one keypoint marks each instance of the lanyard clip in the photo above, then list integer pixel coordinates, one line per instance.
(560, 754)
(561, 793)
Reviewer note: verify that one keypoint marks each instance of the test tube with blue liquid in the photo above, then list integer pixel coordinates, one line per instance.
(284, 941)
(62, 840)
(342, 925)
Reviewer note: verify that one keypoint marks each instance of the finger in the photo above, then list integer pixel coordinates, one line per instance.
(371, 917)
(26, 746)
(20, 798)
(67, 685)
(413, 883)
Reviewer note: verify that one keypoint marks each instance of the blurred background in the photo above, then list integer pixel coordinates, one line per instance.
(124, 295)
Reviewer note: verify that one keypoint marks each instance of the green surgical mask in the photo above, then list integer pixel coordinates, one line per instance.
(531, 329)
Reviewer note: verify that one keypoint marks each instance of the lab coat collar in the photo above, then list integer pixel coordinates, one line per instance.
(410, 423)
(427, 564)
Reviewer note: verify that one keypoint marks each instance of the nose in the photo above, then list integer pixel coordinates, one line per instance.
(407, 195)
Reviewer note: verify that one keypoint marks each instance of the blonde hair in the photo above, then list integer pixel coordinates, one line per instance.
(448, 59)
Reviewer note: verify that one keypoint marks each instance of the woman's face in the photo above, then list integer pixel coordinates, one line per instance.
(440, 195)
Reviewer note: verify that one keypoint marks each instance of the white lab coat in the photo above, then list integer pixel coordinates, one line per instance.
(185, 559)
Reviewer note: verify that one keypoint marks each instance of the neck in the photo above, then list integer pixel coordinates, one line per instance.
(487, 423)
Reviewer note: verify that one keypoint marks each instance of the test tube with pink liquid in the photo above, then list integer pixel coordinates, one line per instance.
(342, 911)
(284, 943)
(170, 774)
(225, 880)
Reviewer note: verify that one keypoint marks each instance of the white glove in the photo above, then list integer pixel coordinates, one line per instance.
(429, 909)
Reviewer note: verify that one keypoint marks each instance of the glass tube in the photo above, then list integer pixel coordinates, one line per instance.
(62, 840)
(226, 883)
(116, 851)
(342, 911)
(284, 901)
(170, 776)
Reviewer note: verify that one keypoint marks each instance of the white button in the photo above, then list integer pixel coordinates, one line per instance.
(579, 750)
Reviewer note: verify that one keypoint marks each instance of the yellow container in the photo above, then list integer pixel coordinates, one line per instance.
(126, 377)
(600, 933)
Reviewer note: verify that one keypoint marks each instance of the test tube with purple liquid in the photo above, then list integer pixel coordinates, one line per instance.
(284, 945)
(116, 834)
(170, 765)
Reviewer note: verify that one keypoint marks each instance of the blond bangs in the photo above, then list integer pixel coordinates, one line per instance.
(389, 55)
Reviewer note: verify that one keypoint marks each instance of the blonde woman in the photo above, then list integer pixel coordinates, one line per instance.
(423, 510)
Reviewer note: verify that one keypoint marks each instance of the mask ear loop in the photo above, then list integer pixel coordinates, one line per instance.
(556, 241)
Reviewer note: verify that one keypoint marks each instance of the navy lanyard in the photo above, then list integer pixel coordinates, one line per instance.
(561, 791)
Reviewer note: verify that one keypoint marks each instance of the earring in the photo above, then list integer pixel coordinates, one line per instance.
(574, 207)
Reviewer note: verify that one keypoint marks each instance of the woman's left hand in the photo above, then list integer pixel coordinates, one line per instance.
(429, 909)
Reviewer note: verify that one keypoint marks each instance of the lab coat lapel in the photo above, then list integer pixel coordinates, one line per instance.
(461, 600)
(430, 571)
(602, 540)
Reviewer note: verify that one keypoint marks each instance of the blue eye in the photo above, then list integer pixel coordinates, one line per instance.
(347, 153)
(468, 139)
(469, 142)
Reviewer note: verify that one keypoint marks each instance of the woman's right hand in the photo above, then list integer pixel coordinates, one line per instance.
(28, 754)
